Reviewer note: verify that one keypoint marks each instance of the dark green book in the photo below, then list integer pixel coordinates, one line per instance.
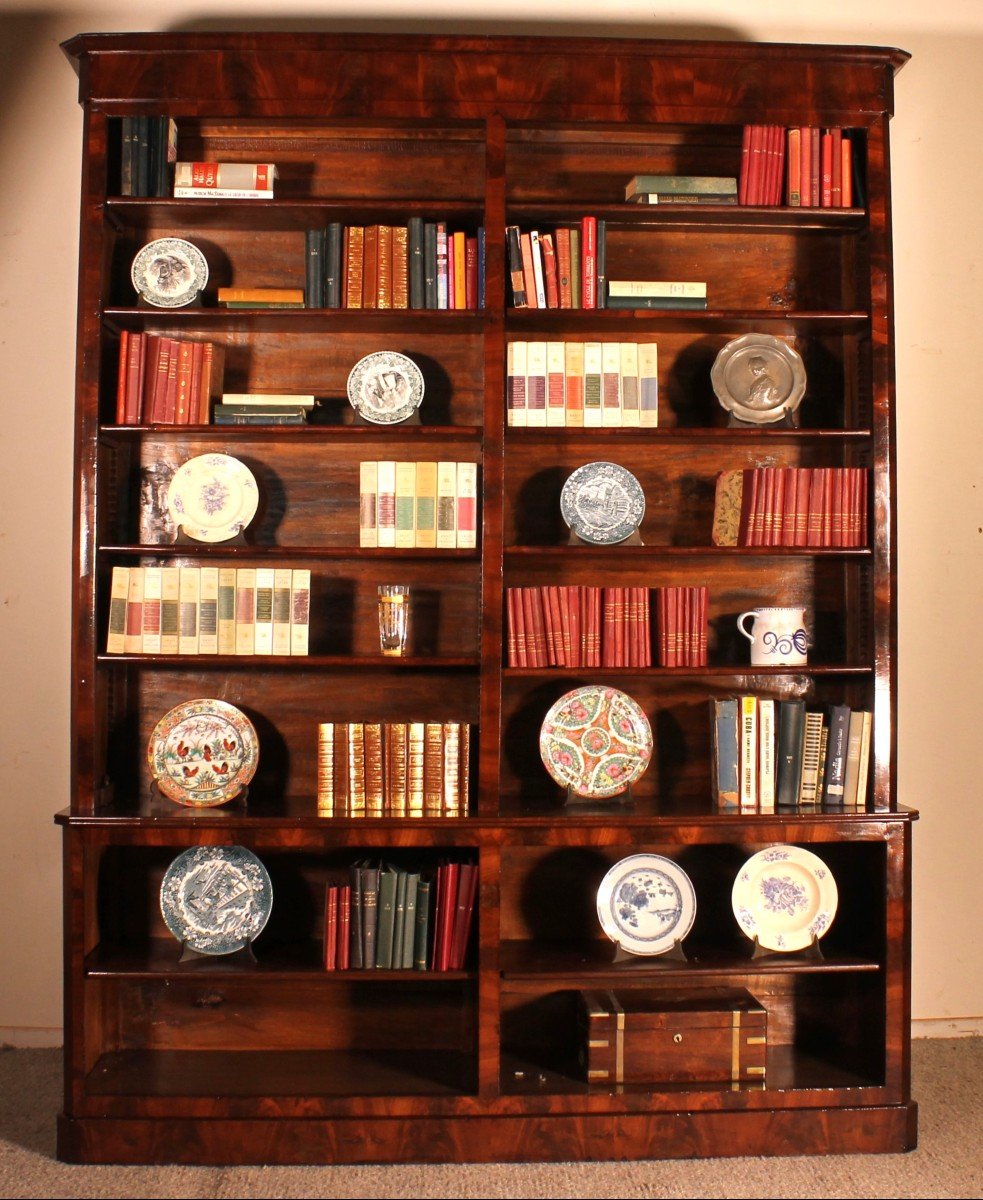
(399, 921)
(421, 941)
(356, 955)
(314, 268)
(409, 922)
(385, 927)
(675, 302)
(370, 915)
(788, 759)
(417, 270)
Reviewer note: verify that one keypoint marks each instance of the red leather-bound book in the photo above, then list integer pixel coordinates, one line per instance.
(535, 609)
(575, 656)
(836, 168)
(790, 493)
(471, 272)
(647, 627)
(512, 654)
(446, 909)
(778, 506)
(826, 167)
(344, 926)
(748, 490)
(745, 171)
(467, 888)
(331, 929)
(528, 274)
(805, 166)
(550, 271)
(837, 507)
(134, 377)
(121, 378)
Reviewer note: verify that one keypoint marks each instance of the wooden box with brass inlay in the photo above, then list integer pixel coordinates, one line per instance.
(642, 1036)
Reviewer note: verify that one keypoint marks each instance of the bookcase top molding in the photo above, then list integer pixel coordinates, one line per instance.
(391, 76)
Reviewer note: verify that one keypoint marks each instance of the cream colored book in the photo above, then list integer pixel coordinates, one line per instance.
(118, 590)
(300, 610)
(133, 637)
(226, 610)
(593, 385)
(556, 385)
(386, 504)
(151, 611)
(648, 385)
(536, 384)
(208, 611)
(426, 505)
(766, 754)
(629, 385)
(170, 609)
(282, 587)
(405, 505)
(368, 499)
(611, 410)
(446, 505)
(467, 505)
(263, 633)
(246, 610)
(189, 592)
(515, 370)
(574, 369)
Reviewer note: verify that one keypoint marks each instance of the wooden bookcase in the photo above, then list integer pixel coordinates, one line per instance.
(281, 1061)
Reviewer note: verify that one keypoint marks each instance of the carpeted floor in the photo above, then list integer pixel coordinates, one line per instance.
(947, 1163)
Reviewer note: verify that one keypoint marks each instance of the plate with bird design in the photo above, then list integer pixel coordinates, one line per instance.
(203, 753)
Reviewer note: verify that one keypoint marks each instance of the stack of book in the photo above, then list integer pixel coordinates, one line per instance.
(804, 166)
(582, 384)
(585, 626)
(261, 408)
(657, 293)
(422, 264)
(386, 918)
(791, 506)
(427, 505)
(789, 754)
(209, 610)
(681, 189)
(260, 297)
(562, 268)
(224, 181)
(393, 769)
(165, 380)
(148, 149)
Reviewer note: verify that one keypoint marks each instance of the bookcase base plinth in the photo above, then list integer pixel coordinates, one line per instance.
(556, 1138)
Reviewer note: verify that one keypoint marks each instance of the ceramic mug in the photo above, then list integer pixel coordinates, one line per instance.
(778, 636)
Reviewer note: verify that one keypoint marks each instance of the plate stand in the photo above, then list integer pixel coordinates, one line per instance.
(143, 302)
(412, 419)
(675, 952)
(185, 539)
(633, 539)
(789, 421)
(811, 951)
(202, 810)
(241, 957)
(573, 798)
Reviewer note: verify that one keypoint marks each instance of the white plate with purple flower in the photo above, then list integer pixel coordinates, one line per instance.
(212, 497)
(646, 904)
(784, 897)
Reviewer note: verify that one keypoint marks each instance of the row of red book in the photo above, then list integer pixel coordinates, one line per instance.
(788, 753)
(388, 918)
(561, 268)
(792, 506)
(803, 166)
(426, 505)
(209, 610)
(393, 769)
(587, 626)
(165, 380)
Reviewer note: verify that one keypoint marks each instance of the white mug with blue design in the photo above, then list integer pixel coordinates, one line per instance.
(778, 636)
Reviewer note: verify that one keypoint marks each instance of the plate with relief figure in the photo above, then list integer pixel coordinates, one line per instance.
(759, 378)
(784, 897)
(602, 503)
(646, 904)
(385, 387)
(596, 741)
(212, 497)
(169, 272)
(203, 753)
(216, 899)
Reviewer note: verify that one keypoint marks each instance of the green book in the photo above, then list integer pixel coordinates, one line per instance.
(421, 939)
(399, 920)
(409, 921)
(370, 915)
(356, 954)
(386, 919)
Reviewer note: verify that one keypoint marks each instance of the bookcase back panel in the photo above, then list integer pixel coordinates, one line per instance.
(679, 713)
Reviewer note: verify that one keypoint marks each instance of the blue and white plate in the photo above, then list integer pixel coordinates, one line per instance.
(784, 896)
(646, 904)
(216, 899)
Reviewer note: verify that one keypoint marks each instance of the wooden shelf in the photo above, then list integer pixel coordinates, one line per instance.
(296, 662)
(217, 321)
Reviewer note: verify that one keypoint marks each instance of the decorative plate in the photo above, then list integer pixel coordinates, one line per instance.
(203, 753)
(385, 387)
(784, 896)
(646, 903)
(212, 497)
(216, 899)
(169, 272)
(602, 503)
(758, 378)
(596, 741)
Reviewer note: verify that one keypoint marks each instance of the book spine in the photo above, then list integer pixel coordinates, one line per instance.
(245, 610)
(574, 373)
(386, 503)
(170, 604)
(118, 591)
(331, 288)
(426, 505)
(226, 610)
(208, 611)
(588, 262)
(749, 753)
(150, 622)
(263, 633)
(446, 505)
(467, 505)
(368, 495)
(405, 493)
(356, 768)
(282, 589)
(374, 772)
(325, 769)
(555, 384)
(300, 610)
(414, 768)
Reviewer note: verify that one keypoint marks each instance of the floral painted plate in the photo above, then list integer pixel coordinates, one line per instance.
(169, 272)
(216, 899)
(784, 896)
(596, 741)
(212, 497)
(646, 904)
(203, 753)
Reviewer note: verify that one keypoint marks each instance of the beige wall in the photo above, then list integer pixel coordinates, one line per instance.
(938, 180)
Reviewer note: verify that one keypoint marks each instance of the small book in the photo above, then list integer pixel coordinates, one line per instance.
(189, 584)
(263, 631)
(421, 933)
(516, 384)
(574, 371)
(536, 384)
(749, 753)
(386, 503)
(170, 609)
(766, 754)
(446, 505)
(630, 405)
(593, 385)
(300, 610)
(368, 493)
(648, 385)
(386, 919)
(405, 500)
(118, 591)
(133, 636)
(726, 752)
(555, 384)
(282, 592)
(467, 505)
(226, 610)
(611, 395)
(208, 611)
(426, 505)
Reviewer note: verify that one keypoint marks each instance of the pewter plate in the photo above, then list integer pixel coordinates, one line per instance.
(758, 378)
(646, 903)
(596, 741)
(169, 272)
(602, 503)
(784, 897)
(385, 387)
(216, 899)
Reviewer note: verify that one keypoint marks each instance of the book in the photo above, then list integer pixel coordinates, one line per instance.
(788, 755)
(189, 595)
(684, 289)
(426, 505)
(368, 493)
(467, 505)
(170, 604)
(515, 371)
(263, 621)
(748, 794)
(386, 503)
(536, 383)
(556, 396)
(810, 779)
(665, 198)
(446, 505)
(593, 385)
(725, 185)
(766, 754)
(648, 385)
(218, 177)
(282, 597)
(574, 373)
(405, 501)
(421, 932)
(226, 612)
(118, 592)
(611, 394)
(300, 610)
(260, 295)
(726, 752)
(833, 788)
(208, 611)
(386, 918)
(245, 610)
